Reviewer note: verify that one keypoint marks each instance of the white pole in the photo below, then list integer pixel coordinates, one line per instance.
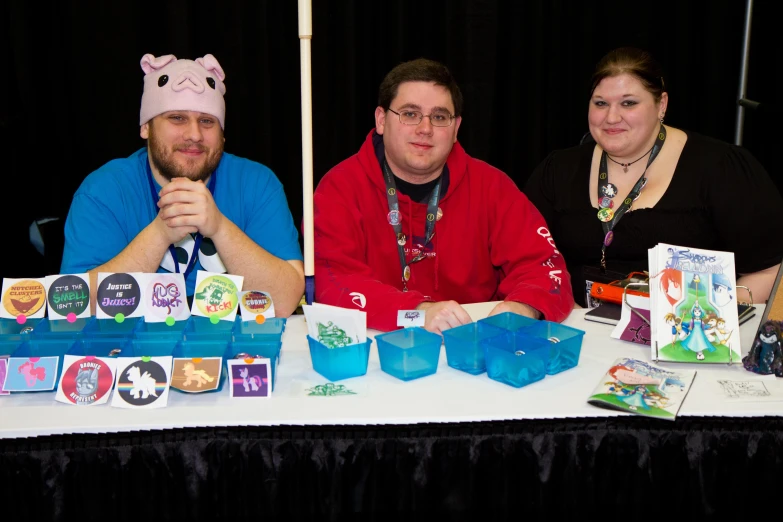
(305, 35)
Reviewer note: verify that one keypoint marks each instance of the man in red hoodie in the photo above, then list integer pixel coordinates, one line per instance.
(412, 222)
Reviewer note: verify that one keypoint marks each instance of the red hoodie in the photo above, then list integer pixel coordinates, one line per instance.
(491, 243)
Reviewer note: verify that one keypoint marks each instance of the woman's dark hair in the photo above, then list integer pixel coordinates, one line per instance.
(420, 70)
(633, 61)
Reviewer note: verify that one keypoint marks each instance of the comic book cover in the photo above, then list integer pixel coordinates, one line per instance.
(693, 305)
(641, 388)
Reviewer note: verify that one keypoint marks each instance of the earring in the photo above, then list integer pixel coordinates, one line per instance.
(661, 120)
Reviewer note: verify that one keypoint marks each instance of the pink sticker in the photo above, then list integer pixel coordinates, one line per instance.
(21, 318)
(71, 317)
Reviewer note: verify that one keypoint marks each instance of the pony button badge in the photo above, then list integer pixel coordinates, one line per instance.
(197, 374)
(250, 377)
(86, 381)
(142, 382)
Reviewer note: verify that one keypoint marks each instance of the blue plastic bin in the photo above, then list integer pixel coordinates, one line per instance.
(339, 363)
(99, 346)
(201, 329)
(516, 359)
(161, 347)
(199, 350)
(565, 344)
(410, 353)
(270, 350)
(12, 334)
(271, 330)
(509, 321)
(109, 328)
(60, 329)
(145, 330)
(463, 346)
(41, 348)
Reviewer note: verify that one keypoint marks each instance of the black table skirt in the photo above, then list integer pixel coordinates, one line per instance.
(616, 468)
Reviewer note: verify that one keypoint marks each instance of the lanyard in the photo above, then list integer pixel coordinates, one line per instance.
(172, 249)
(395, 219)
(609, 218)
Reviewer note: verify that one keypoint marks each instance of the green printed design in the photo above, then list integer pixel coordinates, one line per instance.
(329, 389)
(331, 336)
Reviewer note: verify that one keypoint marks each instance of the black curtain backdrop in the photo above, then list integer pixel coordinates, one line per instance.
(635, 468)
(73, 83)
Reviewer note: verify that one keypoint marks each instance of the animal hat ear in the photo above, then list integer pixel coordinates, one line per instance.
(151, 64)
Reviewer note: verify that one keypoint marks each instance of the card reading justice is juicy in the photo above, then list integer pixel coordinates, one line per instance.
(118, 296)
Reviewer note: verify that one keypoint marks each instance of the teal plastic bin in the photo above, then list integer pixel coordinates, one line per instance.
(565, 344)
(463, 346)
(339, 363)
(410, 353)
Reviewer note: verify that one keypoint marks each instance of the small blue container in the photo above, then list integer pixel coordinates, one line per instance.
(516, 359)
(463, 346)
(59, 329)
(12, 334)
(565, 344)
(162, 347)
(145, 330)
(340, 363)
(109, 328)
(201, 329)
(409, 353)
(255, 349)
(41, 348)
(509, 321)
(271, 330)
(99, 346)
(199, 350)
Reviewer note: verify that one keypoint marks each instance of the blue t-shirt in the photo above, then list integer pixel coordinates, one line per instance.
(114, 204)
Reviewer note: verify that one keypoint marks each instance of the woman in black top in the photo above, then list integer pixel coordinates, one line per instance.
(699, 192)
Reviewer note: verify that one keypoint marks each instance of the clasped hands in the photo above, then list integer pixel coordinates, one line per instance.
(443, 315)
(186, 207)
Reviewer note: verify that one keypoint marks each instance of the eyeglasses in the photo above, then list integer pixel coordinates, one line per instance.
(437, 118)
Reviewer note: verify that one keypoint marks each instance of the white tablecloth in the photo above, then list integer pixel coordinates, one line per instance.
(447, 396)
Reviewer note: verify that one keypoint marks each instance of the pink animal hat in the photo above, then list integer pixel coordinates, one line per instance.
(182, 85)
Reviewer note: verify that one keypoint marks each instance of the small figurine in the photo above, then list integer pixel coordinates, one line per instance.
(765, 357)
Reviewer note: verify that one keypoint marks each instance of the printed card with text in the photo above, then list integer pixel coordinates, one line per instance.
(253, 303)
(86, 381)
(165, 298)
(31, 374)
(197, 374)
(118, 296)
(68, 296)
(216, 295)
(23, 299)
(142, 382)
(250, 378)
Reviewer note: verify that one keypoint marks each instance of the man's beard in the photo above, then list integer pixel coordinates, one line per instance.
(164, 161)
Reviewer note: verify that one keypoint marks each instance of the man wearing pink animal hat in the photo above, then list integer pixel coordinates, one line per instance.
(181, 204)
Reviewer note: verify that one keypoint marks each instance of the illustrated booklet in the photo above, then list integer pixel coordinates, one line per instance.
(693, 305)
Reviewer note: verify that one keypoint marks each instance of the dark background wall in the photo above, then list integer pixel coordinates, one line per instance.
(72, 82)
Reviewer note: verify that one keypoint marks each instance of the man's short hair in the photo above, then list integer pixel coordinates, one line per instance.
(419, 70)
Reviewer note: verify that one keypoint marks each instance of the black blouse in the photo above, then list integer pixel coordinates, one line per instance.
(720, 198)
